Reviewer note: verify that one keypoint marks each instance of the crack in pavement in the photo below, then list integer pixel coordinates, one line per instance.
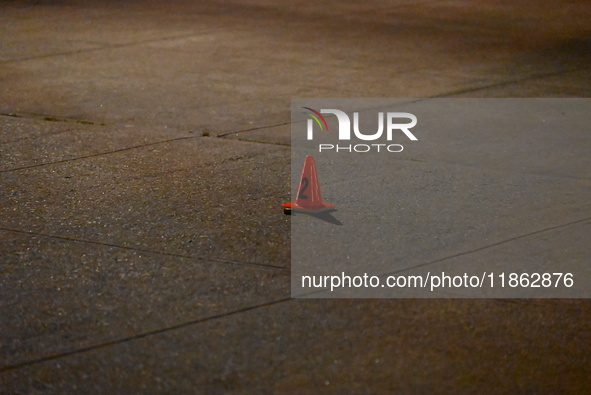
(509, 82)
(465, 252)
(253, 129)
(222, 135)
(249, 308)
(49, 118)
(106, 46)
(199, 258)
(489, 246)
(97, 154)
(437, 96)
(261, 142)
(141, 146)
(141, 335)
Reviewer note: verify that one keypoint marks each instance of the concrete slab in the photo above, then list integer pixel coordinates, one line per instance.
(196, 75)
(531, 253)
(207, 197)
(32, 140)
(405, 225)
(532, 137)
(58, 294)
(482, 172)
(371, 346)
(145, 303)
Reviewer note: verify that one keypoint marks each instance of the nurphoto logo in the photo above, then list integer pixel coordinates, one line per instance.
(391, 119)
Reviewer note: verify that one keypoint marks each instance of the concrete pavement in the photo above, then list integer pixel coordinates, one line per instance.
(144, 155)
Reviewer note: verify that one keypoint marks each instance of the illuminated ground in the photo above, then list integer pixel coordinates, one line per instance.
(145, 154)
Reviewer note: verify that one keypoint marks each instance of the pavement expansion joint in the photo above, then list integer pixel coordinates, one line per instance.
(98, 154)
(199, 258)
(323, 290)
(508, 82)
(263, 142)
(490, 245)
(102, 47)
(142, 335)
(141, 146)
(253, 129)
(50, 118)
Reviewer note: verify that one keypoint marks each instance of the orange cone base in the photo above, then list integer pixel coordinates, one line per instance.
(292, 206)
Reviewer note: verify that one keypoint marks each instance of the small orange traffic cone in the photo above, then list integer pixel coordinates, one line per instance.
(308, 199)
